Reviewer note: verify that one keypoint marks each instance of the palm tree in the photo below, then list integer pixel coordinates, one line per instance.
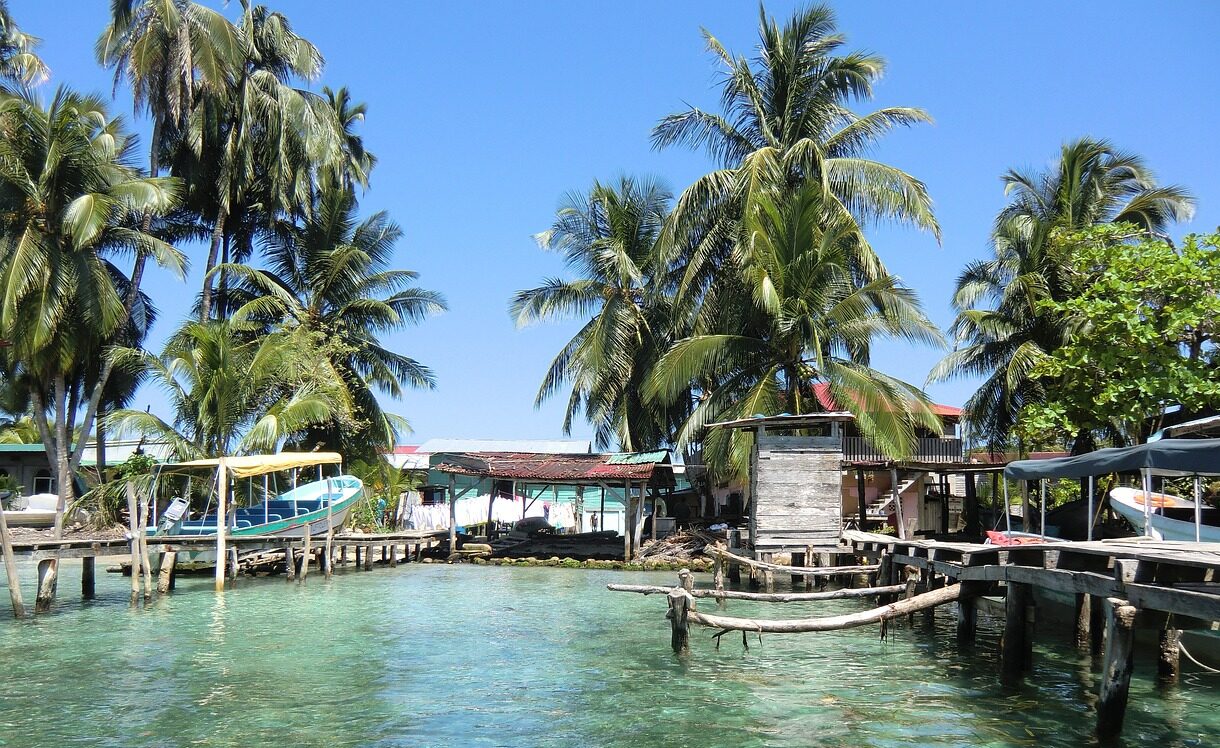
(329, 274)
(356, 162)
(263, 143)
(807, 317)
(233, 390)
(786, 122)
(1002, 329)
(169, 51)
(609, 239)
(68, 201)
(19, 64)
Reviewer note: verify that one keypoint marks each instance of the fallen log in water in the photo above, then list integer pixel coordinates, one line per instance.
(827, 623)
(804, 571)
(763, 597)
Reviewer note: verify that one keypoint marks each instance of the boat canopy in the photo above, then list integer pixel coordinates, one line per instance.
(248, 466)
(1165, 457)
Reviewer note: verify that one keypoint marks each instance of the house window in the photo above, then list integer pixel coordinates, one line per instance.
(43, 483)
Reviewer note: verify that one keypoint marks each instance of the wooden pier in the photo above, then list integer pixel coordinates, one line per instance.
(295, 553)
(1111, 588)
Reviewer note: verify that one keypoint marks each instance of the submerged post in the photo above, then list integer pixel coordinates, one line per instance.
(1016, 648)
(88, 567)
(10, 570)
(145, 561)
(452, 520)
(1168, 663)
(168, 560)
(305, 554)
(222, 492)
(290, 563)
(1116, 670)
(680, 602)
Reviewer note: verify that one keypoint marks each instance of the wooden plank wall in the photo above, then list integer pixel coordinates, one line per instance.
(796, 485)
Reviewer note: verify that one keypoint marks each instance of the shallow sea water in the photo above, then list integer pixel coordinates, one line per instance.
(437, 655)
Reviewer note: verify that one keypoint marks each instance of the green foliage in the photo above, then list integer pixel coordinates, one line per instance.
(384, 486)
(1142, 319)
(1007, 320)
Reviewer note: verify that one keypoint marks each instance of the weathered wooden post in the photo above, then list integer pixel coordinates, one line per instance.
(145, 561)
(1084, 620)
(359, 560)
(808, 562)
(133, 525)
(768, 573)
(680, 602)
(798, 559)
(10, 570)
(368, 557)
(168, 560)
(222, 493)
(718, 569)
(452, 524)
(88, 572)
(290, 563)
(305, 554)
(1168, 663)
(967, 611)
(343, 555)
(1016, 647)
(328, 560)
(1116, 670)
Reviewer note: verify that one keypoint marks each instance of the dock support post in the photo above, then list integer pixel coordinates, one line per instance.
(808, 561)
(1084, 620)
(168, 560)
(222, 493)
(328, 558)
(10, 570)
(1168, 664)
(88, 571)
(1116, 670)
(967, 611)
(305, 555)
(290, 563)
(1016, 647)
(368, 558)
(343, 555)
(768, 574)
(393, 556)
(133, 524)
(734, 572)
(798, 559)
(718, 570)
(145, 561)
(358, 559)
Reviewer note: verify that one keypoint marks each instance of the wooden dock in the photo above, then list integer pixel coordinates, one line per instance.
(295, 553)
(1115, 586)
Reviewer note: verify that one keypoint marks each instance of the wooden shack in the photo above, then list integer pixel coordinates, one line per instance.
(795, 498)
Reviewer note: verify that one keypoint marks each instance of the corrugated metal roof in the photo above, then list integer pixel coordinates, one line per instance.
(527, 466)
(528, 446)
(638, 458)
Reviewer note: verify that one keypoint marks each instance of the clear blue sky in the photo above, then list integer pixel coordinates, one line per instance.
(484, 114)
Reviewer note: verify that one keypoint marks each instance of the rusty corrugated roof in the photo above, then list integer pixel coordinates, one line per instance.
(650, 466)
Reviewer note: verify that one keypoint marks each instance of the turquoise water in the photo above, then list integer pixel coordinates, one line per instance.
(437, 655)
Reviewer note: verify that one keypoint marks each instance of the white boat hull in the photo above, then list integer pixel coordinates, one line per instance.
(1129, 502)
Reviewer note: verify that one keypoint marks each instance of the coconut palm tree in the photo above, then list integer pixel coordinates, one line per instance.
(329, 274)
(20, 66)
(69, 199)
(807, 317)
(263, 143)
(1002, 329)
(786, 121)
(232, 389)
(169, 51)
(622, 286)
(355, 164)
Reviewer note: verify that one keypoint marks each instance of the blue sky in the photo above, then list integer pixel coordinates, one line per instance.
(484, 114)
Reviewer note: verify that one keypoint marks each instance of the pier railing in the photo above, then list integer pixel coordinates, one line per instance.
(928, 449)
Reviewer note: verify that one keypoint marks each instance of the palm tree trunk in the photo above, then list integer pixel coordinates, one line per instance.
(100, 445)
(48, 572)
(205, 306)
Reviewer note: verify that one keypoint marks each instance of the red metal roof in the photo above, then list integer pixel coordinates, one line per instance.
(406, 449)
(821, 390)
(554, 467)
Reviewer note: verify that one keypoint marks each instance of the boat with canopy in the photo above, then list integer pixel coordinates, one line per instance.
(316, 507)
(1165, 518)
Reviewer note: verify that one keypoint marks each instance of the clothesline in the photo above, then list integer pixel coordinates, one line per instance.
(505, 509)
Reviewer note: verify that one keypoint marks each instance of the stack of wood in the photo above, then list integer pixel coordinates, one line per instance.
(678, 547)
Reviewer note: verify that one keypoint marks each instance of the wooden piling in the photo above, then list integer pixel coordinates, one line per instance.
(1084, 620)
(305, 555)
(1168, 663)
(1116, 671)
(328, 559)
(718, 571)
(10, 570)
(967, 611)
(808, 560)
(88, 566)
(734, 572)
(222, 493)
(133, 524)
(290, 563)
(798, 559)
(680, 603)
(145, 561)
(368, 558)
(343, 555)
(165, 578)
(1016, 648)
(768, 574)
(393, 556)
(358, 559)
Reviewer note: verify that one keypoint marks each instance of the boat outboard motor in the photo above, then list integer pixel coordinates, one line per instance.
(172, 515)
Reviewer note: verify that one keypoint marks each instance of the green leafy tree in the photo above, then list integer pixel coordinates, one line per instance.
(233, 390)
(1143, 318)
(1007, 316)
(20, 65)
(609, 240)
(329, 275)
(787, 121)
(810, 319)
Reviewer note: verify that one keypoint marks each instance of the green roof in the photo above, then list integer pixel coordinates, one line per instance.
(638, 458)
(21, 448)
